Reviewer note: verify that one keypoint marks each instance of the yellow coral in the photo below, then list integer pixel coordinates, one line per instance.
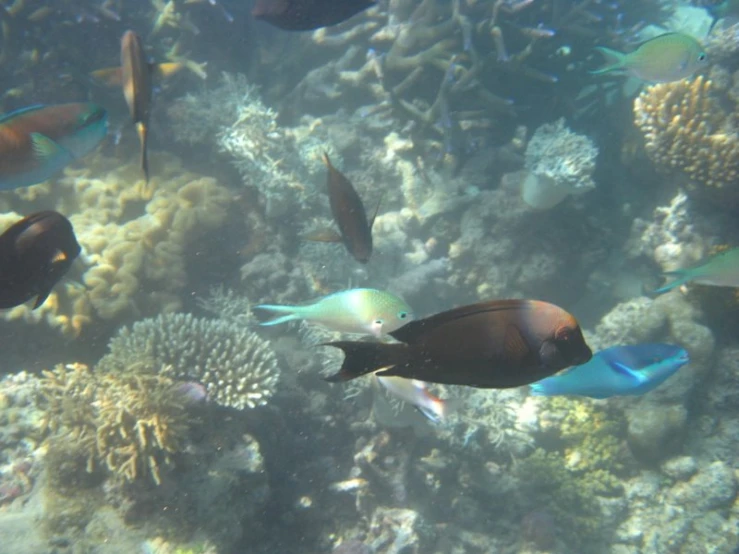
(135, 237)
(685, 129)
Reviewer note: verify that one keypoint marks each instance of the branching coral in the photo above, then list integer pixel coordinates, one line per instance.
(686, 130)
(238, 368)
(130, 424)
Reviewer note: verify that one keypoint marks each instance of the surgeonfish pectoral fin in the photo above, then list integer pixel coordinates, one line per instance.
(109, 76)
(322, 235)
(165, 70)
(46, 151)
(377, 209)
(143, 139)
(41, 298)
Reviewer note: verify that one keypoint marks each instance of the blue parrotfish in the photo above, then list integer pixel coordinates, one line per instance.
(365, 311)
(39, 141)
(722, 270)
(617, 371)
(662, 59)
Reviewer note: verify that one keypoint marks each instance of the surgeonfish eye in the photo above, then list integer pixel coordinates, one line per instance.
(563, 334)
(402, 315)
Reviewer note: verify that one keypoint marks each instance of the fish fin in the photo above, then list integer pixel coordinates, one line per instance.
(109, 76)
(289, 311)
(683, 276)
(322, 235)
(165, 70)
(15, 113)
(41, 298)
(327, 161)
(626, 371)
(515, 344)
(143, 139)
(377, 209)
(439, 409)
(615, 60)
(365, 357)
(48, 152)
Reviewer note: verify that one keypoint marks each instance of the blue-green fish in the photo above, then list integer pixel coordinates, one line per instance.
(720, 271)
(663, 59)
(351, 311)
(39, 141)
(618, 371)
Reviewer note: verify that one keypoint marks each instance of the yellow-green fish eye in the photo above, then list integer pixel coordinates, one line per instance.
(702, 57)
(379, 322)
(403, 315)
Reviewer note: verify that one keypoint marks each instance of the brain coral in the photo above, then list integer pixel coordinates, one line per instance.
(238, 368)
(686, 130)
(134, 237)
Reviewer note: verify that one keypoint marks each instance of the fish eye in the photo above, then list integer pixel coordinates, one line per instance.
(403, 315)
(702, 57)
(563, 334)
(379, 322)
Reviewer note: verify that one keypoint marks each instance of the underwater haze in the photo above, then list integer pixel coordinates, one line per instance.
(369, 277)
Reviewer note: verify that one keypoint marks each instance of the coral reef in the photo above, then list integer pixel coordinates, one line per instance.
(237, 367)
(687, 131)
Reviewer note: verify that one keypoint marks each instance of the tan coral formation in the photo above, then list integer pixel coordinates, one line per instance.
(129, 424)
(134, 237)
(686, 130)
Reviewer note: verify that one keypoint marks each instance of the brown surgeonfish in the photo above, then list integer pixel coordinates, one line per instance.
(348, 211)
(136, 75)
(497, 344)
(35, 253)
(307, 15)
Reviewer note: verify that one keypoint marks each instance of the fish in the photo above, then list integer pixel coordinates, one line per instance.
(722, 270)
(307, 15)
(662, 59)
(355, 232)
(415, 392)
(35, 253)
(136, 75)
(38, 141)
(495, 344)
(364, 311)
(617, 371)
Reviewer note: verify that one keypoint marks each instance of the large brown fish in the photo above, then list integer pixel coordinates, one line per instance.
(136, 76)
(497, 344)
(349, 214)
(35, 253)
(306, 15)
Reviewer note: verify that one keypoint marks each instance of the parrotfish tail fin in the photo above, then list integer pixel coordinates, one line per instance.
(365, 357)
(143, 139)
(683, 276)
(291, 313)
(109, 77)
(614, 60)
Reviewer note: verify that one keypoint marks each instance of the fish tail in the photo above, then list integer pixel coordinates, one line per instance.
(365, 357)
(683, 276)
(290, 313)
(614, 60)
(143, 139)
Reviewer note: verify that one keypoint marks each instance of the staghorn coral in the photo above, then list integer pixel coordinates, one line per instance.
(687, 131)
(238, 368)
(135, 237)
(130, 424)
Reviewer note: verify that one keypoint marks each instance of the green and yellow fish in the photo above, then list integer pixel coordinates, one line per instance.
(720, 271)
(663, 59)
(38, 141)
(351, 311)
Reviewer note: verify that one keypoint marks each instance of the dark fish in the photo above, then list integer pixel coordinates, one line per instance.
(307, 15)
(136, 76)
(349, 214)
(35, 253)
(497, 344)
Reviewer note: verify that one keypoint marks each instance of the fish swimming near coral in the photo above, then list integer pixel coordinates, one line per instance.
(35, 253)
(416, 393)
(39, 141)
(307, 15)
(496, 344)
(348, 211)
(351, 311)
(722, 270)
(617, 371)
(663, 59)
(136, 76)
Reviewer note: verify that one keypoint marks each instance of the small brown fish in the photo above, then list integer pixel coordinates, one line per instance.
(307, 15)
(35, 253)
(349, 214)
(136, 75)
(497, 344)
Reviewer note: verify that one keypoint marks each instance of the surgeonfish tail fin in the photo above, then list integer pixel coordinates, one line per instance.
(143, 139)
(290, 314)
(614, 60)
(682, 277)
(365, 357)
